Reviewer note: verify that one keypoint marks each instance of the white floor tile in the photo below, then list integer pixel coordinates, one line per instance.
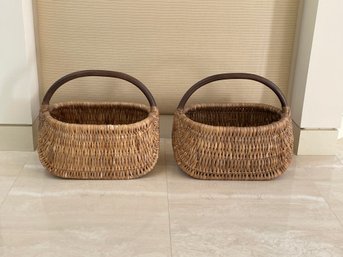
(167, 213)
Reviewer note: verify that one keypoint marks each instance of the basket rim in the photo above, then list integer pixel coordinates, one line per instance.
(152, 113)
(284, 112)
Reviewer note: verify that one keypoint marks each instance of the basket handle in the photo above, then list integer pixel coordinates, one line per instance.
(222, 76)
(98, 73)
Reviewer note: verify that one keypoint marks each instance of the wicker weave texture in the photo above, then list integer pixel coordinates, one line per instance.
(233, 141)
(106, 140)
(99, 140)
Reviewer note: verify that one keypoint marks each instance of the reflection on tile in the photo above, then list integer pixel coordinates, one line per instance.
(6, 183)
(8, 174)
(88, 224)
(10, 169)
(292, 205)
(16, 158)
(204, 240)
(333, 194)
(96, 240)
(48, 216)
(285, 217)
(310, 161)
(316, 174)
(167, 213)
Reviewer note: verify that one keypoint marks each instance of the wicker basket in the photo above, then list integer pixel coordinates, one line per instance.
(233, 141)
(84, 140)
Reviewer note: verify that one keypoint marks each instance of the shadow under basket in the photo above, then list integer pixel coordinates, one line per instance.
(104, 140)
(233, 141)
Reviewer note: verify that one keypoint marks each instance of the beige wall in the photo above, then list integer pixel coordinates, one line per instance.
(168, 45)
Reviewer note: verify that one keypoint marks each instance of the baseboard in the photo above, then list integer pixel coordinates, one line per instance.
(166, 124)
(314, 141)
(306, 141)
(35, 132)
(16, 138)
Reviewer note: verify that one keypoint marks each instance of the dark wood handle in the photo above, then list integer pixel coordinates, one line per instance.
(98, 73)
(222, 76)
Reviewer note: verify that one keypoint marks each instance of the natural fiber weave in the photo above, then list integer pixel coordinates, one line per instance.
(98, 140)
(233, 141)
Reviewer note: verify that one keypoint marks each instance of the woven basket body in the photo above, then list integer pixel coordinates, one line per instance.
(232, 141)
(98, 140)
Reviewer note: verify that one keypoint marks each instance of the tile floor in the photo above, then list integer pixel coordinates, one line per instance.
(167, 213)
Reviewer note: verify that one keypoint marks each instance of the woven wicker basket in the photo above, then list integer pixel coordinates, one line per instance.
(233, 141)
(84, 140)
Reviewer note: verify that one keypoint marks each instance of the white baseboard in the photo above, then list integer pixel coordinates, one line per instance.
(314, 141)
(166, 124)
(306, 142)
(340, 130)
(18, 137)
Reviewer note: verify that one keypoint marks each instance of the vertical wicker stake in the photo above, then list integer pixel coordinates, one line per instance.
(84, 140)
(233, 141)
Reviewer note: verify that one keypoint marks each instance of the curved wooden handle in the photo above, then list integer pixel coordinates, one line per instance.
(223, 76)
(98, 73)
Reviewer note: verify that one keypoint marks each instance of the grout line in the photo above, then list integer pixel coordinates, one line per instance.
(15, 125)
(9, 190)
(334, 213)
(166, 166)
(329, 205)
(339, 159)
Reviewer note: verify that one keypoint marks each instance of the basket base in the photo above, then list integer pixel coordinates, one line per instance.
(98, 151)
(233, 141)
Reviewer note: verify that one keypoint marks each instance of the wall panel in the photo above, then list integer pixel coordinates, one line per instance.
(169, 45)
